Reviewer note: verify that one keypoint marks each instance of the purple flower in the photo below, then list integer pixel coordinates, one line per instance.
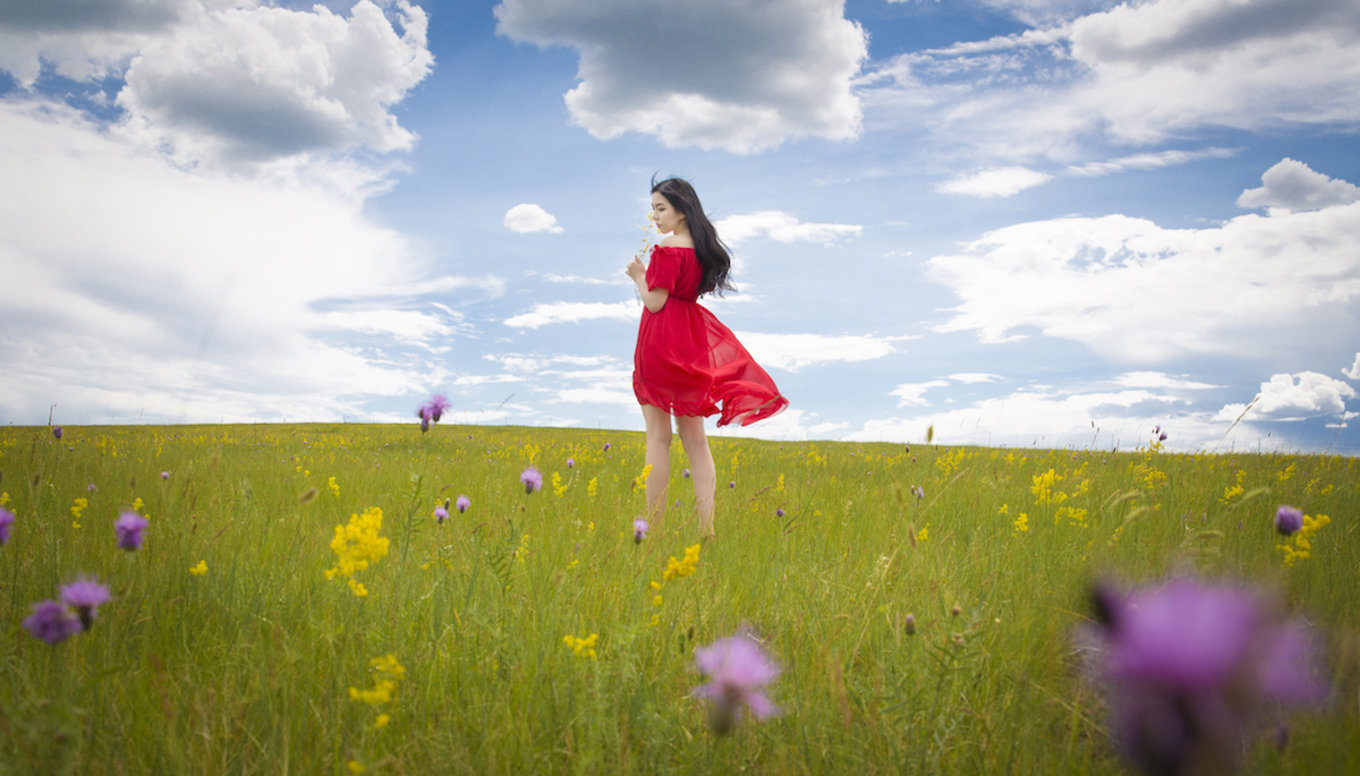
(909, 624)
(85, 595)
(606, 446)
(1188, 667)
(165, 475)
(1288, 520)
(462, 503)
(442, 513)
(571, 462)
(685, 474)
(432, 410)
(129, 526)
(52, 622)
(918, 492)
(731, 483)
(737, 669)
(57, 432)
(532, 479)
(640, 527)
(779, 512)
(6, 522)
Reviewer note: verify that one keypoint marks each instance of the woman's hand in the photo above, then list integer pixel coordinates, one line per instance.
(636, 269)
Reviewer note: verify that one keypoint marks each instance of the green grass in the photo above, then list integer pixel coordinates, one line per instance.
(248, 668)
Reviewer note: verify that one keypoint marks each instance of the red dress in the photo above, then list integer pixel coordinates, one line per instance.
(687, 362)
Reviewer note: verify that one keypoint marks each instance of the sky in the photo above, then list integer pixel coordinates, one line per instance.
(1013, 223)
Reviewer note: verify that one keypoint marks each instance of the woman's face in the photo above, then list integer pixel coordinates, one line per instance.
(666, 217)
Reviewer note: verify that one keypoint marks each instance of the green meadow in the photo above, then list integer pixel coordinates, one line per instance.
(533, 634)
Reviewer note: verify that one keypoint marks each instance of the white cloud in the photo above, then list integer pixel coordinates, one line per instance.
(913, 394)
(782, 227)
(1079, 417)
(1160, 380)
(1135, 74)
(996, 182)
(209, 297)
(1148, 161)
(736, 76)
(795, 351)
(1294, 186)
(256, 84)
(528, 218)
(1294, 397)
(1354, 372)
(969, 378)
(1136, 292)
(545, 313)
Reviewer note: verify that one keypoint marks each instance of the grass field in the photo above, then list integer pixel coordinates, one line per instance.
(532, 634)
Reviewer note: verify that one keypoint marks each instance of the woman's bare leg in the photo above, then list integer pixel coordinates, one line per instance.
(659, 458)
(701, 469)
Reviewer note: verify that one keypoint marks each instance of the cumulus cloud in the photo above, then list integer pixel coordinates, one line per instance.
(1134, 74)
(545, 313)
(1354, 372)
(231, 83)
(1135, 292)
(529, 218)
(708, 73)
(255, 84)
(996, 182)
(209, 297)
(913, 394)
(1288, 397)
(782, 227)
(1292, 185)
(792, 352)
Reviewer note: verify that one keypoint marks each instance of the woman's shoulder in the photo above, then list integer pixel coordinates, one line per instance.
(673, 241)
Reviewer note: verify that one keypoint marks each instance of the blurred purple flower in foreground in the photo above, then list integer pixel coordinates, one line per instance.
(462, 503)
(640, 527)
(52, 622)
(6, 524)
(531, 479)
(57, 431)
(737, 669)
(442, 513)
(1189, 666)
(432, 410)
(129, 526)
(85, 595)
(1288, 520)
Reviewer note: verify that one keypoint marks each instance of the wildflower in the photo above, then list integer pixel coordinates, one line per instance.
(1288, 520)
(462, 503)
(165, 475)
(685, 473)
(737, 670)
(731, 483)
(85, 596)
(6, 524)
(1189, 665)
(571, 462)
(57, 432)
(442, 513)
(432, 410)
(200, 569)
(531, 479)
(909, 624)
(356, 545)
(684, 567)
(1022, 523)
(640, 527)
(129, 526)
(52, 622)
(779, 512)
(918, 492)
(606, 447)
(582, 647)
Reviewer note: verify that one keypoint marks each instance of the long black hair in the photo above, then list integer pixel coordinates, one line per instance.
(712, 254)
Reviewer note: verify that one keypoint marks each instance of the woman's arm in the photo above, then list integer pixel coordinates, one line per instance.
(652, 298)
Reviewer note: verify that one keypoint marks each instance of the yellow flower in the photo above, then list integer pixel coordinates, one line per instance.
(640, 481)
(335, 487)
(923, 535)
(656, 600)
(356, 545)
(137, 504)
(592, 487)
(381, 721)
(200, 569)
(582, 647)
(684, 567)
(355, 767)
(1022, 523)
(78, 506)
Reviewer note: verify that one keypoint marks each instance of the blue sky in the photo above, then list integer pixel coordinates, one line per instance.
(1014, 222)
